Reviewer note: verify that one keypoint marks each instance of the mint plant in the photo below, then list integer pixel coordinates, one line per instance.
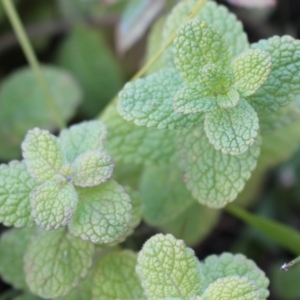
(194, 134)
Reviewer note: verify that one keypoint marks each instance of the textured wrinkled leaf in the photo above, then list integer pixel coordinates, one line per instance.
(137, 208)
(92, 168)
(43, 154)
(251, 69)
(213, 178)
(282, 85)
(55, 262)
(216, 16)
(193, 224)
(196, 45)
(53, 204)
(194, 98)
(13, 244)
(103, 214)
(82, 137)
(23, 105)
(115, 277)
(227, 264)
(232, 288)
(228, 100)
(86, 54)
(232, 131)
(164, 194)
(135, 20)
(132, 144)
(15, 187)
(149, 102)
(167, 268)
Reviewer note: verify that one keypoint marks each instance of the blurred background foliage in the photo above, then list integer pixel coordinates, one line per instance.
(95, 46)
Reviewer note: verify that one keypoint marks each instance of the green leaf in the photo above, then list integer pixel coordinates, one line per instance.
(82, 137)
(53, 204)
(228, 100)
(282, 234)
(115, 277)
(13, 245)
(27, 296)
(164, 194)
(196, 45)
(193, 224)
(92, 168)
(103, 214)
(232, 288)
(149, 102)
(213, 178)
(194, 98)
(23, 105)
(55, 262)
(167, 268)
(43, 154)
(217, 16)
(227, 264)
(251, 69)
(137, 208)
(282, 85)
(131, 144)
(15, 187)
(86, 54)
(232, 131)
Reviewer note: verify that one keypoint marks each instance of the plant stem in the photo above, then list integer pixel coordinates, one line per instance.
(286, 266)
(145, 68)
(32, 60)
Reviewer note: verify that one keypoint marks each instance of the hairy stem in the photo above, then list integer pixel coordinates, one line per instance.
(32, 60)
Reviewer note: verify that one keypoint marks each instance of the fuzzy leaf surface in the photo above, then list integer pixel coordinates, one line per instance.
(115, 277)
(232, 288)
(232, 131)
(282, 85)
(213, 178)
(137, 208)
(132, 144)
(92, 168)
(43, 154)
(149, 102)
(55, 262)
(227, 264)
(53, 204)
(251, 69)
(103, 214)
(196, 45)
(15, 187)
(167, 268)
(13, 244)
(82, 137)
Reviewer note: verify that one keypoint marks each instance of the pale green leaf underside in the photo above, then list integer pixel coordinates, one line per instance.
(149, 102)
(164, 194)
(43, 154)
(103, 214)
(194, 98)
(55, 262)
(217, 16)
(53, 204)
(196, 45)
(167, 268)
(282, 85)
(23, 105)
(214, 178)
(82, 137)
(232, 131)
(232, 288)
(15, 187)
(192, 225)
(251, 69)
(129, 143)
(115, 277)
(227, 264)
(92, 168)
(13, 244)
